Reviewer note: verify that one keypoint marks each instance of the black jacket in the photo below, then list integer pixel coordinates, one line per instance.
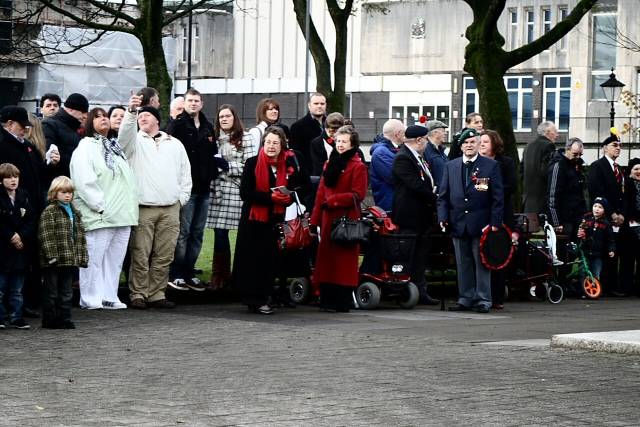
(414, 202)
(535, 164)
(599, 239)
(61, 130)
(509, 185)
(26, 157)
(602, 183)
(455, 150)
(565, 190)
(16, 218)
(201, 148)
(302, 132)
(632, 201)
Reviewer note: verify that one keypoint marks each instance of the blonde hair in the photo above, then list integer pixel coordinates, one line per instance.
(59, 183)
(35, 134)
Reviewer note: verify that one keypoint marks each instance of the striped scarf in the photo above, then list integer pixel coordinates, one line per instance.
(111, 149)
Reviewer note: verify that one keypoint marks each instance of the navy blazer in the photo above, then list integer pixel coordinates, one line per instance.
(467, 209)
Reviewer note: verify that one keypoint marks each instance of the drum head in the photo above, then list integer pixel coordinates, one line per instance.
(496, 248)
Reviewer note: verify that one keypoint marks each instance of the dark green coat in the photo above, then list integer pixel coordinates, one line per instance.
(58, 246)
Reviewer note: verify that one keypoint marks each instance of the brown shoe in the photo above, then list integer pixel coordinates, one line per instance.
(161, 303)
(138, 303)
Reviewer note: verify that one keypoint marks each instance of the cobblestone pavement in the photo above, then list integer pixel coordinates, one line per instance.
(215, 365)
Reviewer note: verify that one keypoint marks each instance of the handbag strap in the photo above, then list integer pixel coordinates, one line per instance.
(296, 200)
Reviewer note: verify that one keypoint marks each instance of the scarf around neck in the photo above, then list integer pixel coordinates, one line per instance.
(258, 212)
(111, 149)
(336, 165)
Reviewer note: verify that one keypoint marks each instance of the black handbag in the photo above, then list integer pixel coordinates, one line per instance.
(348, 231)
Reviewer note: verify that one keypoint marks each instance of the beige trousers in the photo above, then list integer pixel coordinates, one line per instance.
(153, 245)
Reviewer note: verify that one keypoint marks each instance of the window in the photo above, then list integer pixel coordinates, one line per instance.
(530, 25)
(195, 38)
(513, 29)
(557, 100)
(520, 92)
(604, 51)
(6, 27)
(546, 20)
(563, 11)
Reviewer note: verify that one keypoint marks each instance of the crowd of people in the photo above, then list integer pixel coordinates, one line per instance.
(89, 193)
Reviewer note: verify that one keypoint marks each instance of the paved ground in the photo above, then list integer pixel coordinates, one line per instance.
(211, 365)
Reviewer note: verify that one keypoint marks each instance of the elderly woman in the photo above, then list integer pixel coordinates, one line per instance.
(107, 199)
(256, 259)
(267, 114)
(491, 146)
(235, 146)
(342, 188)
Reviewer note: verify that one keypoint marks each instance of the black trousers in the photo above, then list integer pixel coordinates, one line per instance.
(419, 259)
(56, 301)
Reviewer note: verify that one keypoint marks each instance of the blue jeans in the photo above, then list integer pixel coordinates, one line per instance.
(193, 218)
(11, 285)
(221, 242)
(595, 265)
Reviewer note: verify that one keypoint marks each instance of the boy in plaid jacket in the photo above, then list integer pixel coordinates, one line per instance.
(63, 247)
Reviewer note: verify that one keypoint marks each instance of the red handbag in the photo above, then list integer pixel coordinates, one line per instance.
(295, 233)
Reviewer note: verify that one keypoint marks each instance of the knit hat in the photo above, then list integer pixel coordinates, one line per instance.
(468, 133)
(77, 101)
(151, 110)
(17, 114)
(435, 124)
(415, 131)
(613, 137)
(605, 204)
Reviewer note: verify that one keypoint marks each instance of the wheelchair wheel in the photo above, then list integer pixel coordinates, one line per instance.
(410, 296)
(591, 288)
(368, 295)
(539, 291)
(555, 293)
(300, 290)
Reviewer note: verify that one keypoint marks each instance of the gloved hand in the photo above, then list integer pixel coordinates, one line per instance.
(220, 162)
(279, 198)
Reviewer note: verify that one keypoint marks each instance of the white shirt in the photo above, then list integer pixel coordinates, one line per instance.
(422, 164)
(465, 159)
(161, 166)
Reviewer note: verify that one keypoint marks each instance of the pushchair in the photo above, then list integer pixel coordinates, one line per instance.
(390, 279)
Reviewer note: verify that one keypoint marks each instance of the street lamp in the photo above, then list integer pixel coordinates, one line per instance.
(612, 89)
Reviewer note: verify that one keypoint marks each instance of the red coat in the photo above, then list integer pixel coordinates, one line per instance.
(339, 264)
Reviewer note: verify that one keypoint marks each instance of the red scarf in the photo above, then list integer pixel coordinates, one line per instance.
(263, 173)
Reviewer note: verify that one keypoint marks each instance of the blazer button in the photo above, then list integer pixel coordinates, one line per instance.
(466, 211)
(466, 200)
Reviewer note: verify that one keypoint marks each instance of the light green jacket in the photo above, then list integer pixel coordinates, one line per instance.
(99, 189)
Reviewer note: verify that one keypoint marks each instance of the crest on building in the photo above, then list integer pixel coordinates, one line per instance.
(418, 30)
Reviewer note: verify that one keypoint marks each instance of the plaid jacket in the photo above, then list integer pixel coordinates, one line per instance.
(58, 248)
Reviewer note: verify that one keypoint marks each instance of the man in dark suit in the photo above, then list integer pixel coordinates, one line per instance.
(606, 179)
(470, 199)
(535, 164)
(308, 128)
(414, 202)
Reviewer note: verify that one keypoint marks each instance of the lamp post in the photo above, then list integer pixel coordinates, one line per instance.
(612, 89)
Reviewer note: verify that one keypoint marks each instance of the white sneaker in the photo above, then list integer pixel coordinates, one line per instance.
(113, 305)
(178, 284)
(91, 307)
(557, 262)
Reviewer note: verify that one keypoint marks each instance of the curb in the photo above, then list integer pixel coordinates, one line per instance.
(625, 342)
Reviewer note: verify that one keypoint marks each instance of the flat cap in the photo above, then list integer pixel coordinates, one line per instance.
(15, 113)
(435, 124)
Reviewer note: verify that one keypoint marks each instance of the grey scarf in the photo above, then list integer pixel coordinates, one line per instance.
(111, 149)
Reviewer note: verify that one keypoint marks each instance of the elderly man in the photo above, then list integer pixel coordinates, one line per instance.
(471, 199)
(434, 151)
(383, 151)
(62, 130)
(308, 128)
(414, 202)
(163, 178)
(566, 185)
(606, 179)
(50, 104)
(176, 107)
(535, 165)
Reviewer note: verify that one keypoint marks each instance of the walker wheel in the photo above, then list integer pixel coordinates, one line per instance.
(555, 293)
(591, 288)
(300, 290)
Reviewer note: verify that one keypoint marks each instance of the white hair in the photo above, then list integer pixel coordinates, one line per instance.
(391, 126)
(544, 127)
(175, 102)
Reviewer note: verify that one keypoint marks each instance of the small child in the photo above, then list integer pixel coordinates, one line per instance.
(62, 247)
(17, 229)
(597, 235)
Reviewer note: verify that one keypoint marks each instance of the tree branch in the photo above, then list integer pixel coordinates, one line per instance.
(490, 22)
(191, 8)
(116, 13)
(542, 43)
(318, 51)
(88, 23)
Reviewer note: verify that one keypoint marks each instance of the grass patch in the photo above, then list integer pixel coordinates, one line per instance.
(206, 254)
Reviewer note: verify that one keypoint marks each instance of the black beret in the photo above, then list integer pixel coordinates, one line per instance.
(415, 131)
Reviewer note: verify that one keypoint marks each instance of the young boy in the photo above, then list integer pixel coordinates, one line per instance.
(62, 247)
(597, 235)
(17, 229)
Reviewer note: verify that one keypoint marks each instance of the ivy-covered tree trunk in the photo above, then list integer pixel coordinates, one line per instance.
(339, 15)
(488, 62)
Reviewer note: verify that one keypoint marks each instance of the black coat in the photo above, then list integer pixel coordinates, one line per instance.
(26, 157)
(535, 164)
(565, 194)
(601, 182)
(256, 258)
(61, 130)
(200, 145)
(599, 239)
(414, 202)
(302, 132)
(631, 195)
(509, 186)
(16, 218)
